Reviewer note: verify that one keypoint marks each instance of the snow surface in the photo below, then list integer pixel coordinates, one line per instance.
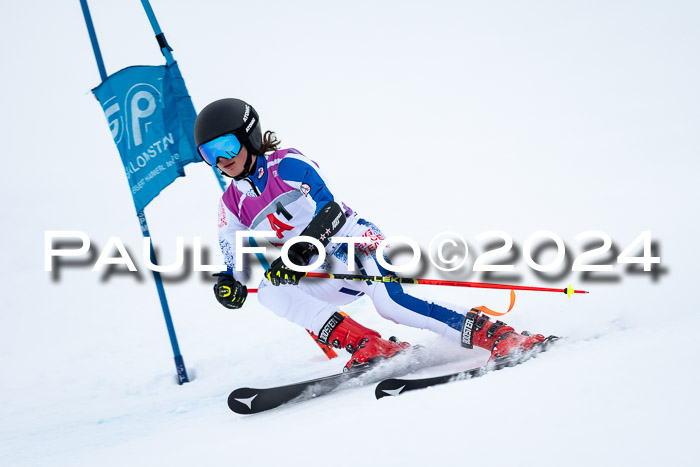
(566, 116)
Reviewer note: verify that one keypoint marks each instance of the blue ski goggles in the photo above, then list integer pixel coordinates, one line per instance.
(226, 146)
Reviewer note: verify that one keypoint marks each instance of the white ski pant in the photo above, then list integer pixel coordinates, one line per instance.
(313, 301)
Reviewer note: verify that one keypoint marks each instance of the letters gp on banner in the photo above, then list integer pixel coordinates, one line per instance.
(151, 117)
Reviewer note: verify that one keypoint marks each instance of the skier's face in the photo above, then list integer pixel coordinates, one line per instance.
(233, 167)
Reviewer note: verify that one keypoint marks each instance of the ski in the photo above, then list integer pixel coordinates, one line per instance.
(246, 401)
(397, 386)
(254, 400)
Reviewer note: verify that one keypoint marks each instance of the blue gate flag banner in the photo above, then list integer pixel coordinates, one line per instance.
(151, 117)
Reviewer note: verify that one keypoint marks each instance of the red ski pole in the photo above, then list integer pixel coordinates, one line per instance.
(479, 285)
(569, 291)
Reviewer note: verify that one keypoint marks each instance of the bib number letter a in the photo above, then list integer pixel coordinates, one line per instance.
(278, 226)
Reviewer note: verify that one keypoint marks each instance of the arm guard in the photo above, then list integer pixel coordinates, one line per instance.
(329, 220)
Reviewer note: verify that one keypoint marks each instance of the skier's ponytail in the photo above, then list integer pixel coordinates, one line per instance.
(270, 142)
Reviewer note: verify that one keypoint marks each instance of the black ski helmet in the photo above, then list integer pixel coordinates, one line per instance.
(230, 116)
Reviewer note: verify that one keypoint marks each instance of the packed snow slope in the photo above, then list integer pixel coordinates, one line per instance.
(461, 116)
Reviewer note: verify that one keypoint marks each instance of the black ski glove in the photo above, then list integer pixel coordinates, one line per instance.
(279, 273)
(229, 292)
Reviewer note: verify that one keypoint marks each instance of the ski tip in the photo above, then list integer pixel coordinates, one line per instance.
(241, 400)
(389, 387)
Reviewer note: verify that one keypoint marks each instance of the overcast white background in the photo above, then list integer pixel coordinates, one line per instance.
(461, 116)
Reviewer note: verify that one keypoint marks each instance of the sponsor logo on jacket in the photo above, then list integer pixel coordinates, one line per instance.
(222, 215)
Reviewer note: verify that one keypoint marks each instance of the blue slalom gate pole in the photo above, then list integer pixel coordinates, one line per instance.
(93, 40)
(160, 37)
(179, 361)
(167, 53)
(166, 50)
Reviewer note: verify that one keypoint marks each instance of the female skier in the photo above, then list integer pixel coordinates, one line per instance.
(284, 191)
